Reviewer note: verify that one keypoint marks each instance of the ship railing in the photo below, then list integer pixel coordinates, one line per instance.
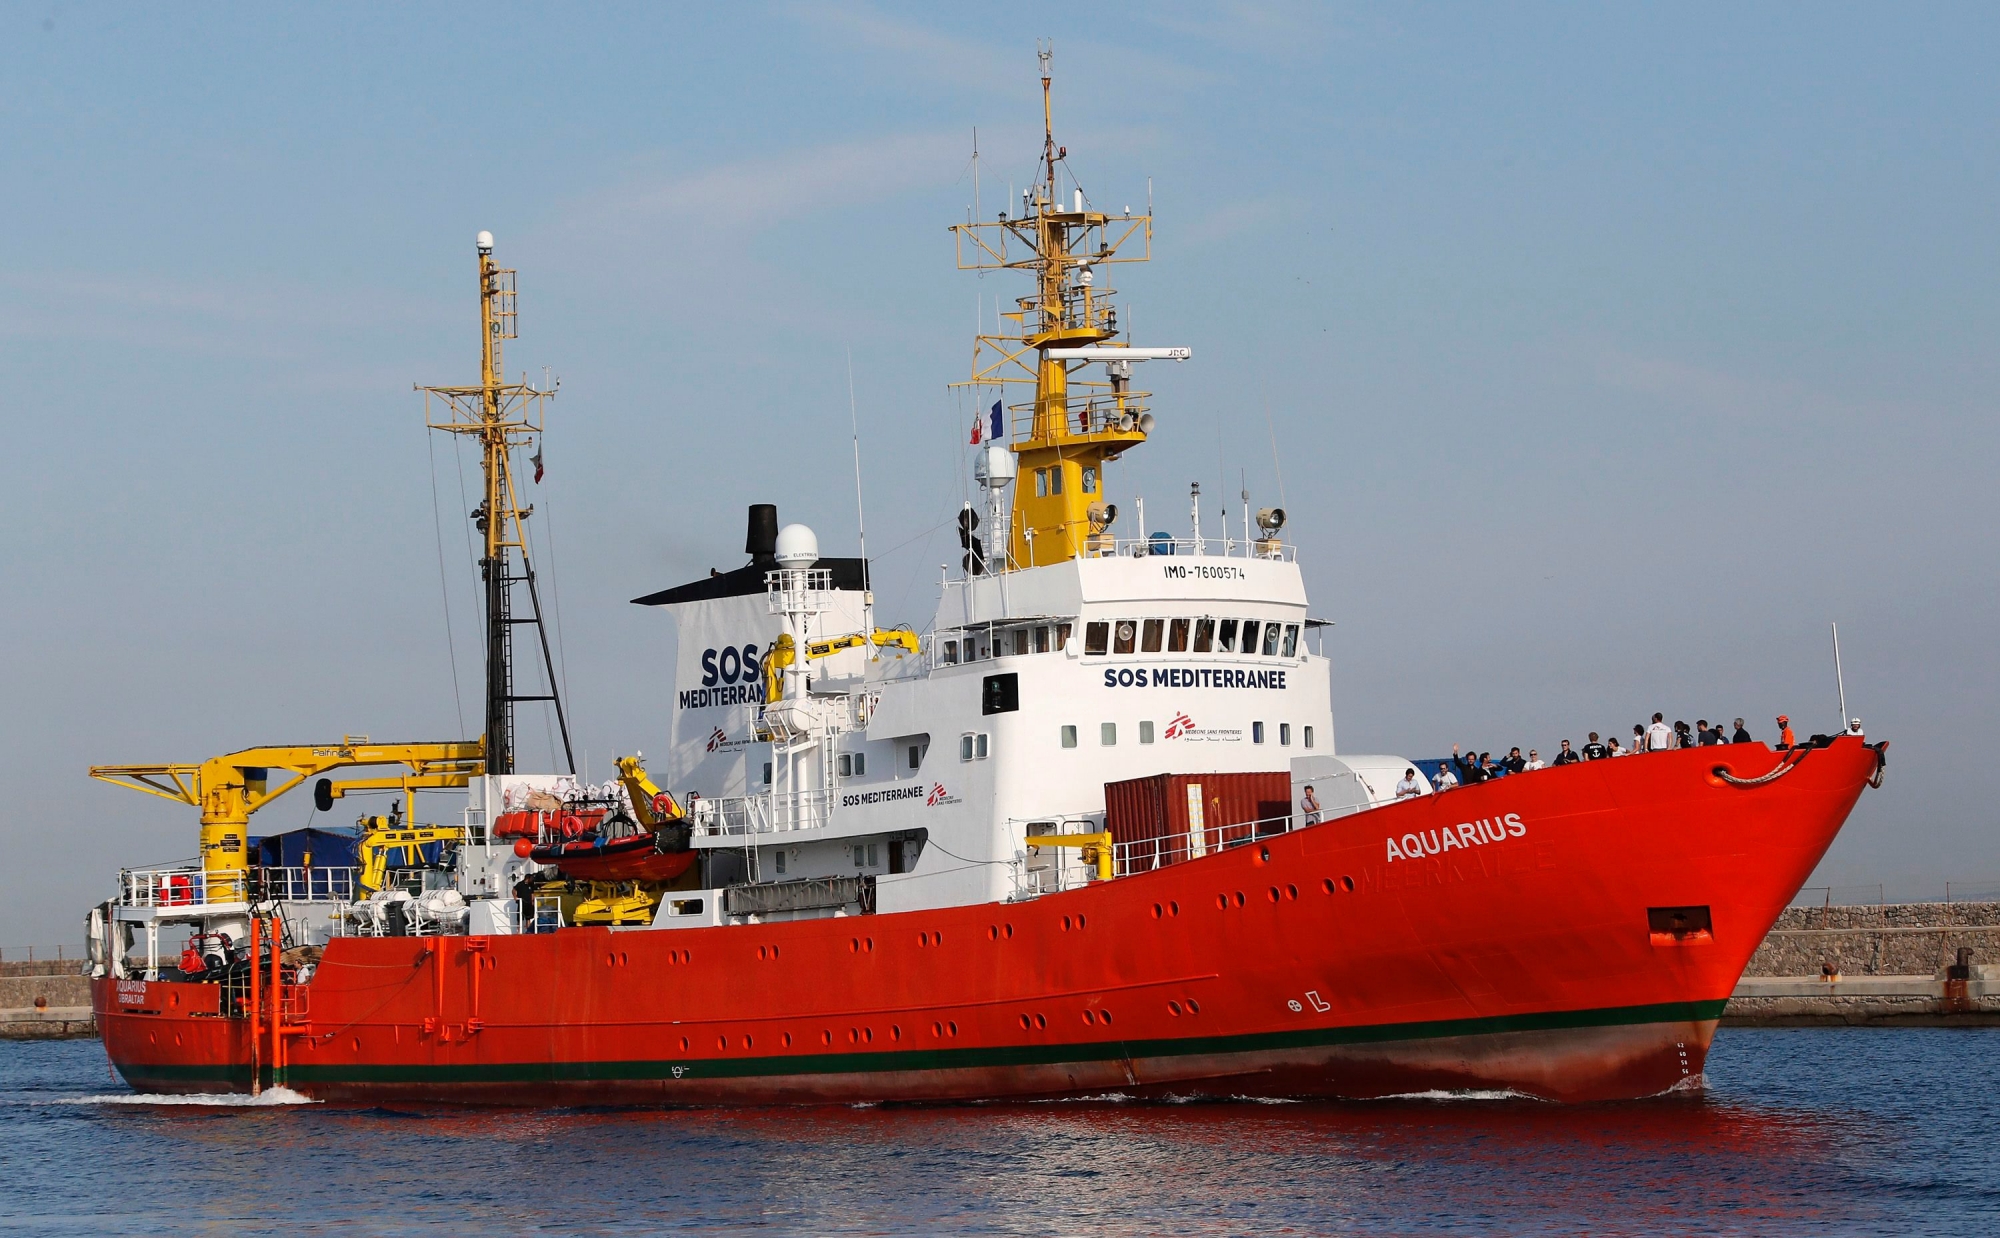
(192, 886)
(1143, 855)
(1272, 549)
(734, 816)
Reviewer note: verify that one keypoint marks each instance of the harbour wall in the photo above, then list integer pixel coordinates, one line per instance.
(1889, 964)
(44, 1001)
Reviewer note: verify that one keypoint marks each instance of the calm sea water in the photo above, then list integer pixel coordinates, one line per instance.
(1859, 1131)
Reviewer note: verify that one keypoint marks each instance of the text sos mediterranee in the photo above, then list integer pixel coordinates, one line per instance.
(1191, 677)
(731, 675)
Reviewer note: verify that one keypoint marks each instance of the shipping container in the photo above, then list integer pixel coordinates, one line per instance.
(1163, 818)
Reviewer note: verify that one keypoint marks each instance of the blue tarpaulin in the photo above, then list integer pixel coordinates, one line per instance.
(308, 847)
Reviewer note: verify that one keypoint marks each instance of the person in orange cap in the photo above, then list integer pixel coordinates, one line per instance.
(1785, 739)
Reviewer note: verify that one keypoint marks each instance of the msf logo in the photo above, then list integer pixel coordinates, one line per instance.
(939, 796)
(1179, 726)
(719, 738)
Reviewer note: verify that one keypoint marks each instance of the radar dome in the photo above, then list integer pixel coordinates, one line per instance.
(797, 546)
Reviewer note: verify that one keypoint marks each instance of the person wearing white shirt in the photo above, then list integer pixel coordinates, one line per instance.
(1445, 779)
(1409, 787)
(1659, 736)
(1535, 761)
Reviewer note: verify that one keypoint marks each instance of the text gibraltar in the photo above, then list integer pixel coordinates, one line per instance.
(1192, 677)
(1464, 834)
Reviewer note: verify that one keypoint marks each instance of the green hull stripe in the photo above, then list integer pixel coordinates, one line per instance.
(896, 1060)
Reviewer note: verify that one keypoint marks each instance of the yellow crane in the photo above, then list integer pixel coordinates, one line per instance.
(228, 788)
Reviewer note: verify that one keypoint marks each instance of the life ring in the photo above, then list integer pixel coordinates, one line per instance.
(664, 806)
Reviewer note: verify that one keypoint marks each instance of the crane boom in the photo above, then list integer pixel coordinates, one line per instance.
(228, 788)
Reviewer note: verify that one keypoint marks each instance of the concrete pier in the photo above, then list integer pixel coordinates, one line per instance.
(1896, 964)
(44, 1001)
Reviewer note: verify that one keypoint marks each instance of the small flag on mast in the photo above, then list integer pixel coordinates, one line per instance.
(536, 460)
(996, 422)
(977, 424)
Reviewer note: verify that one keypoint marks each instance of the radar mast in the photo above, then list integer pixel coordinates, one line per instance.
(1072, 426)
(501, 416)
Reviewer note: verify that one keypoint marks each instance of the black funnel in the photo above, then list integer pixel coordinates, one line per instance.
(761, 544)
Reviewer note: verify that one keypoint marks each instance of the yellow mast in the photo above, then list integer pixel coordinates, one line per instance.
(502, 416)
(1072, 427)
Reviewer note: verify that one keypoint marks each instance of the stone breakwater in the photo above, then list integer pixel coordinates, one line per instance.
(44, 1001)
(1897, 963)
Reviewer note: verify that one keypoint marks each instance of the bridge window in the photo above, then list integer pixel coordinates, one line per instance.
(1062, 637)
(1204, 635)
(1225, 637)
(1291, 640)
(1069, 737)
(917, 751)
(1020, 641)
(1270, 640)
(1249, 642)
(951, 653)
(1041, 640)
(1177, 636)
(1151, 634)
(1126, 634)
(1096, 637)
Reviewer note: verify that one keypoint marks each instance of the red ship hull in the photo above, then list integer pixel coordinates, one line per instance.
(1528, 957)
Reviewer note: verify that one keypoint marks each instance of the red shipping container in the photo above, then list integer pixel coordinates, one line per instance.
(1163, 818)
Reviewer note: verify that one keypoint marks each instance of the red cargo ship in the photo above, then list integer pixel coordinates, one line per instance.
(1056, 844)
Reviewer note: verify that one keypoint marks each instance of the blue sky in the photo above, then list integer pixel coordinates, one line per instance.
(1609, 354)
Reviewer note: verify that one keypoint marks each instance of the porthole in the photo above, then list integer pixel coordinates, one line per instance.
(1272, 894)
(868, 1035)
(992, 932)
(1024, 1023)
(1173, 1007)
(854, 945)
(853, 1036)
(1008, 929)
(1239, 898)
(684, 1044)
(1104, 1017)
(1194, 1007)
(868, 944)
(1291, 892)
(1263, 855)
(1222, 901)
(611, 960)
(1349, 883)
(826, 1037)
(1173, 908)
(951, 1027)
(1065, 924)
(1327, 885)
(1041, 1022)
(787, 1039)
(895, 1031)
(623, 959)
(1088, 1017)
(1158, 911)
(937, 1029)
(747, 1042)
(722, 1042)
(1079, 920)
